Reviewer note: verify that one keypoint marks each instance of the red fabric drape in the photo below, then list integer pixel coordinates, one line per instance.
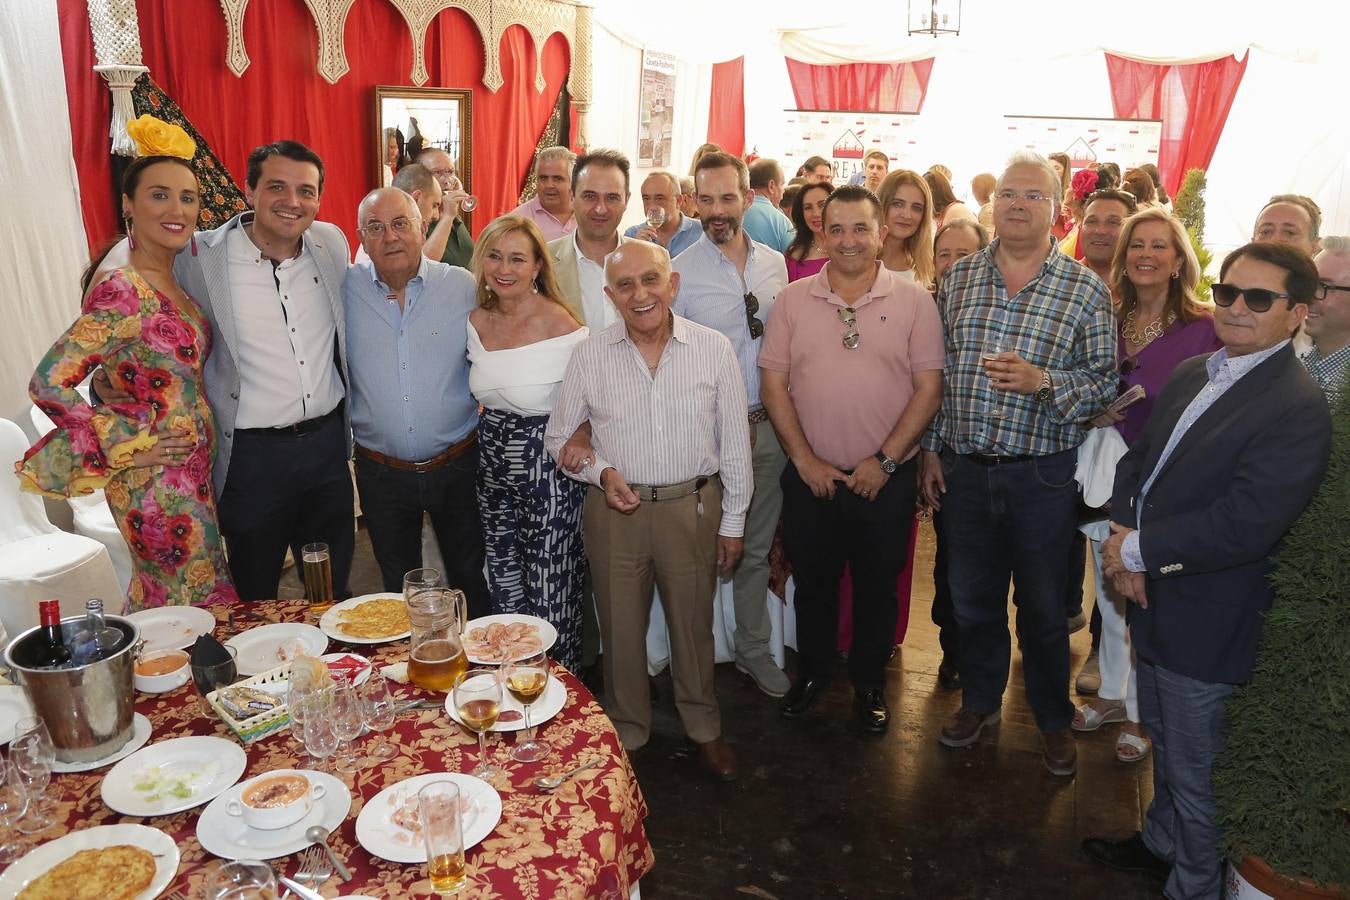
(861, 87)
(1192, 100)
(282, 95)
(726, 110)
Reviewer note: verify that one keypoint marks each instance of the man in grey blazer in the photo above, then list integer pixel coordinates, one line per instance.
(270, 281)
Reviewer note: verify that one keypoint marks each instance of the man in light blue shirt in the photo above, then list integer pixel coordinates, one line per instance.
(728, 282)
(764, 221)
(414, 420)
(678, 232)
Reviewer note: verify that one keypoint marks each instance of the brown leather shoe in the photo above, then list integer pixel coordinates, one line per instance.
(1061, 752)
(718, 759)
(965, 727)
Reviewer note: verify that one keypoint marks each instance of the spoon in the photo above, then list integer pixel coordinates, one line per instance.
(317, 834)
(549, 782)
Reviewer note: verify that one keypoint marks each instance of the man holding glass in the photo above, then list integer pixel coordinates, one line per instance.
(448, 238)
(851, 372)
(1030, 360)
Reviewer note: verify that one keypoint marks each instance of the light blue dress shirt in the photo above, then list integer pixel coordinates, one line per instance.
(1223, 374)
(409, 368)
(685, 236)
(765, 223)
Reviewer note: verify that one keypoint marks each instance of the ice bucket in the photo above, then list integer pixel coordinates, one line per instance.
(88, 709)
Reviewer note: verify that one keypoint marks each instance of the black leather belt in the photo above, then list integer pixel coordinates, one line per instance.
(305, 427)
(989, 459)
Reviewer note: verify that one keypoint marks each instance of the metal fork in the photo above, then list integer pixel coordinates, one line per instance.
(314, 868)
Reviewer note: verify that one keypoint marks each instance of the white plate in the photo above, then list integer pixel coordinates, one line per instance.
(14, 706)
(362, 677)
(228, 837)
(218, 762)
(547, 633)
(140, 733)
(172, 627)
(546, 707)
(261, 648)
(388, 841)
(39, 860)
(328, 622)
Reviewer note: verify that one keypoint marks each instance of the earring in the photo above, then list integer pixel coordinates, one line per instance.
(534, 287)
(131, 239)
(1176, 275)
(194, 245)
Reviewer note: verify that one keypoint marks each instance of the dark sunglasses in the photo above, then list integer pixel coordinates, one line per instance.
(1258, 300)
(752, 307)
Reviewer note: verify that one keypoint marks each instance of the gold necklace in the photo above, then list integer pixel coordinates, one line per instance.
(1150, 333)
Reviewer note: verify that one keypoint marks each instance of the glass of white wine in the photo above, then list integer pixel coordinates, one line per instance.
(527, 680)
(656, 217)
(995, 345)
(478, 700)
(443, 835)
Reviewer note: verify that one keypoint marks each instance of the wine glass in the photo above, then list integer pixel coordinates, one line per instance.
(469, 203)
(297, 693)
(527, 680)
(378, 703)
(321, 738)
(656, 217)
(478, 698)
(349, 720)
(13, 802)
(32, 754)
(995, 345)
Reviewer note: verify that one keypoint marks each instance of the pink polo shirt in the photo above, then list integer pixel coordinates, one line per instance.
(848, 401)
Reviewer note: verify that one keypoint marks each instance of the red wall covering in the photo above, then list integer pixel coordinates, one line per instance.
(281, 95)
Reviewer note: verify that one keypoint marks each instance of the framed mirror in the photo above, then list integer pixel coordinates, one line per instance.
(410, 119)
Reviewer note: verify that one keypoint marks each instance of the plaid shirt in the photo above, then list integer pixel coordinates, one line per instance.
(1328, 371)
(1062, 321)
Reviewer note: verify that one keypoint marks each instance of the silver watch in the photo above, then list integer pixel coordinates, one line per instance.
(888, 465)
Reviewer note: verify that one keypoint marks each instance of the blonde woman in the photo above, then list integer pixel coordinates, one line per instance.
(907, 212)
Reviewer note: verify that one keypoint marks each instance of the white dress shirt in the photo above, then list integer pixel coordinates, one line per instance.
(595, 303)
(286, 337)
(686, 421)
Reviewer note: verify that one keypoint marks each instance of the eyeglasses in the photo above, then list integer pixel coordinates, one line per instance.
(1258, 300)
(849, 316)
(752, 307)
(399, 226)
(1008, 195)
(1326, 287)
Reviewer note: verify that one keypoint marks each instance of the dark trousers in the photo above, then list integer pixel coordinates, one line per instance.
(820, 536)
(287, 490)
(1012, 521)
(393, 502)
(944, 615)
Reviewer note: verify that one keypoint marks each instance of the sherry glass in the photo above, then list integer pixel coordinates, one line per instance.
(656, 217)
(321, 738)
(33, 754)
(478, 699)
(527, 680)
(378, 703)
(349, 721)
(995, 345)
(13, 802)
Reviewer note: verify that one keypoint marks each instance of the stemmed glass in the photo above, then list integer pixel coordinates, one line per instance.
(469, 203)
(656, 217)
(478, 698)
(321, 738)
(378, 703)
(527, 679)
(349, 721)
(13, 802)
(32, 754)
(296, 696)
(995, 345)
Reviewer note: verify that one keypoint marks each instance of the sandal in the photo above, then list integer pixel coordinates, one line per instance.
(1090, 717)
(1130, 748)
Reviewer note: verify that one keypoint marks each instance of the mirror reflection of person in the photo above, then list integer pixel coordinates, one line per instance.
(394, 158)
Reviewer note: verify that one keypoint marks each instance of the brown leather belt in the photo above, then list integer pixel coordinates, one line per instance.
(759, 415)
(454, 451)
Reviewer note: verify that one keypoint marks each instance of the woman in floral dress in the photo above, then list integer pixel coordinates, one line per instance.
(151, 456)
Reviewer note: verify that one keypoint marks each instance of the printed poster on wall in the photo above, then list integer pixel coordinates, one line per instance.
(657, 115)
(844, 138)
(1125, 142)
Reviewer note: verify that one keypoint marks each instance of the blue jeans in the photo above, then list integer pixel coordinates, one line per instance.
(1011, 522)
(1184, 718)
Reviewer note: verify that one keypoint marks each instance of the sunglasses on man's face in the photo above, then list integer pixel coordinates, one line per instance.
(1258, 300)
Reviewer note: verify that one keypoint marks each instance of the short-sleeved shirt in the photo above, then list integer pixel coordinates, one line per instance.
(548, 223)
(685, 236)
(765, 223)
(848, 401)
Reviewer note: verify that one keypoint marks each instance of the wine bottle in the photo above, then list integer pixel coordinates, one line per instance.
(50, 651)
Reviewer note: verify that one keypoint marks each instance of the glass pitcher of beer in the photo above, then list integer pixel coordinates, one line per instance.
(437, 656)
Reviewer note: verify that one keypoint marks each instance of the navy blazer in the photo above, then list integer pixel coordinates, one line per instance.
(1218, 510)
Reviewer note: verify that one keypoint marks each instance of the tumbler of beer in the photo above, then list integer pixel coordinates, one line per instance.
(443, 834)
(318, 575)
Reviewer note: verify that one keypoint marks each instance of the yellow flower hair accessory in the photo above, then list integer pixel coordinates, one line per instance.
(155, 137)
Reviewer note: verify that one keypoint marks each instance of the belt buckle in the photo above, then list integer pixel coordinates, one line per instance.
(653, 489)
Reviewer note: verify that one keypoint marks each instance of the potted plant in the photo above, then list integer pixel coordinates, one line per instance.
(1282, 781)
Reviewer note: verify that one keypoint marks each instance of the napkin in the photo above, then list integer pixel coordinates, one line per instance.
(396, 672)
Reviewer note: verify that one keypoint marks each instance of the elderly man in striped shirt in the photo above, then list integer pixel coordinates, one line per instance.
(671, 482)
(1030, 359)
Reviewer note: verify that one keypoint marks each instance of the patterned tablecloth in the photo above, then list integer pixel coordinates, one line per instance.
(584, 840)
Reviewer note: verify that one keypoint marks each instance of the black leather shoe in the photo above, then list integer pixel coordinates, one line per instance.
(869, 711)
(949, 677)
(801, 695)
(1129, 855)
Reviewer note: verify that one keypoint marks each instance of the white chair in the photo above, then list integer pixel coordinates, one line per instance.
(93, 518)
(38, 561)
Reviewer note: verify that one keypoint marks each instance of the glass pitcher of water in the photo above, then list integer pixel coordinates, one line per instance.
(437, 655)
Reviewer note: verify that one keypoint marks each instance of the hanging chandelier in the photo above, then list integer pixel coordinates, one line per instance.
(934, 17)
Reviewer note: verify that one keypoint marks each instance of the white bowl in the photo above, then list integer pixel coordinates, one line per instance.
(269, 817)
(158, 684)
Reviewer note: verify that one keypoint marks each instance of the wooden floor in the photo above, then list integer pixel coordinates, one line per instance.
(819, 812)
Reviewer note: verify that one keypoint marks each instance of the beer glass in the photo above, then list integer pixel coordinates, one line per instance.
(318, 574)
(443, 835)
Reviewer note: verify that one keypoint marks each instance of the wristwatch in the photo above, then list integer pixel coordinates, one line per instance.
(888, 465)
(1046, 390)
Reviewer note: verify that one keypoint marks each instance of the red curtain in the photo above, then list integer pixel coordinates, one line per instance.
(726, 111)
(861, 87)
(282, 95)
(1192, 100)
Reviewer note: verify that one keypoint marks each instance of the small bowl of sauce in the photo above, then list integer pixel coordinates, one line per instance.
(160, 671)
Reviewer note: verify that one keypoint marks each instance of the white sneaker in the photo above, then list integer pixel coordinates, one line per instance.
(767, 676)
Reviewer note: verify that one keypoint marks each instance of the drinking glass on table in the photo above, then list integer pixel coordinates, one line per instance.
(378, 703)
(214, 677)
(32, 753)
(297, 693)
(478, 699)
(13, 802)
(240, 879)
(527, 679)
(438, 807)
(994, 346)
(349, 720)
(321, 737)
(318, 577)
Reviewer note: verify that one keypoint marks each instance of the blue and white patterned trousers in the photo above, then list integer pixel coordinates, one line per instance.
(531, 515)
